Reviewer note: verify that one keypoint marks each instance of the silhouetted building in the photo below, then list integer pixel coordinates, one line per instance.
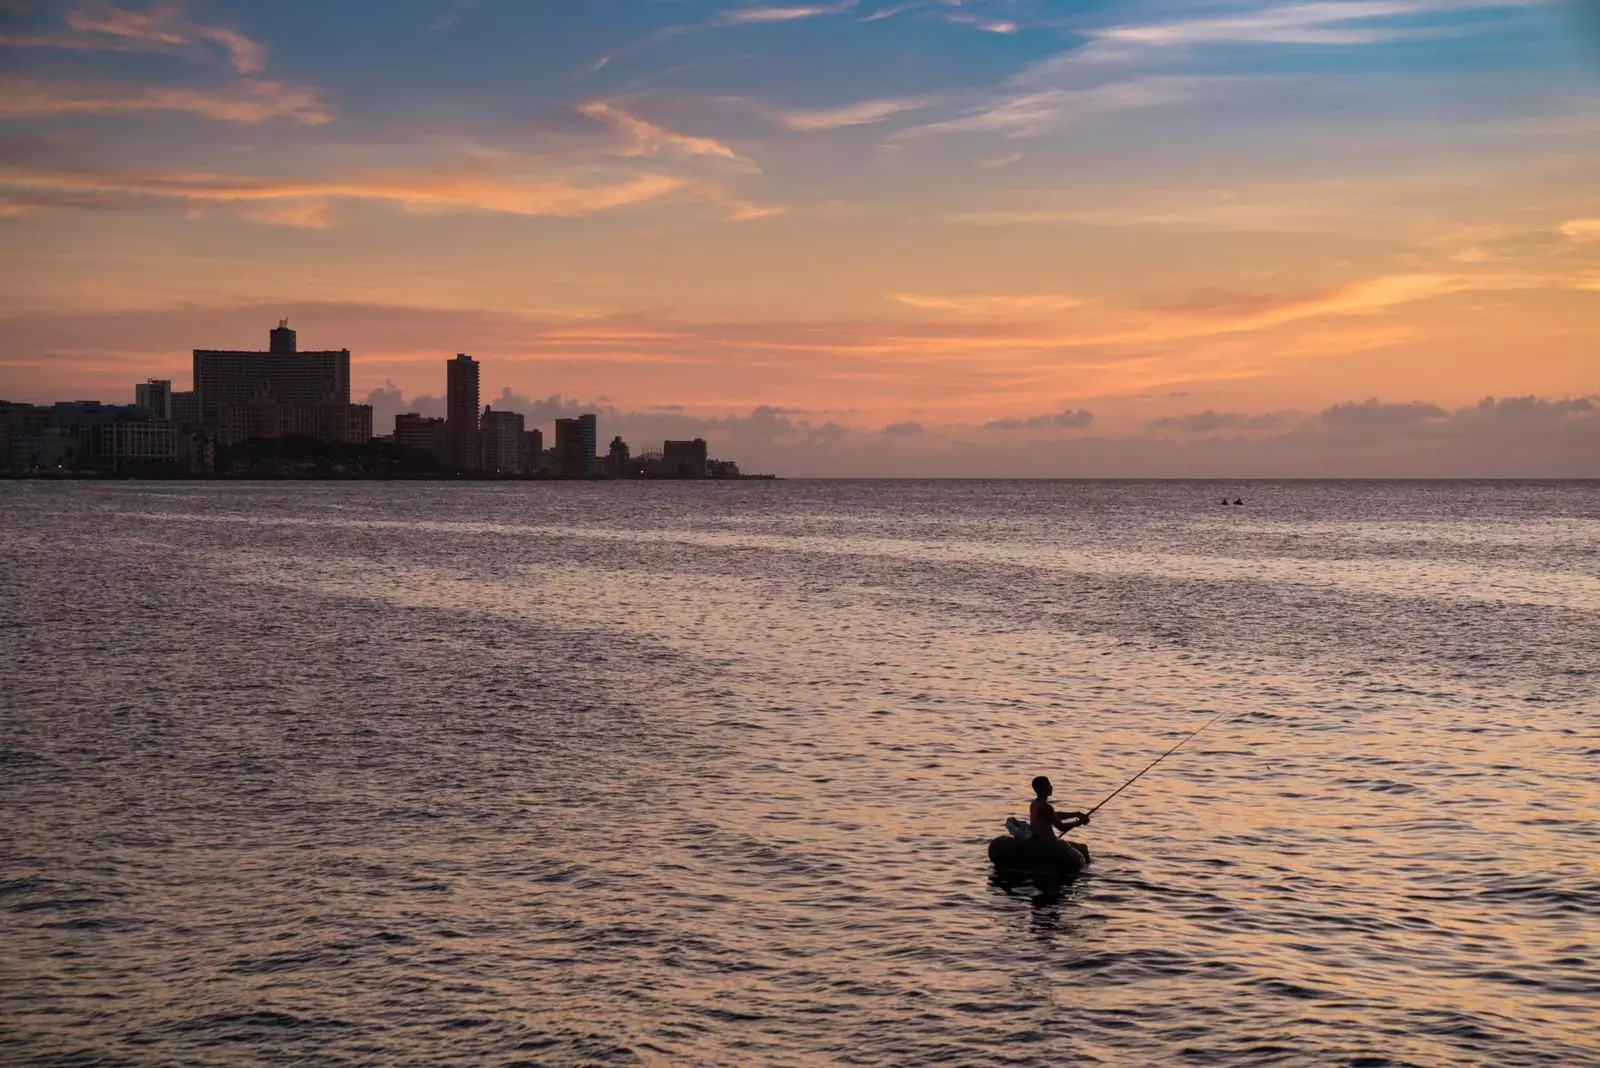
(575, 447)
(414, 431)
(281, 341)
(129, 448)
(461, 412)
(359, 426)
(722, 469)
(155, 397)
(197, 452)
(618, 463)
(504, 451)
(233, 389)
(261, 418)
(532, 451)
(684, 459)
(186, 409)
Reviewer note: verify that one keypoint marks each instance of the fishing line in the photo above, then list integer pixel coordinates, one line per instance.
(1154, 762)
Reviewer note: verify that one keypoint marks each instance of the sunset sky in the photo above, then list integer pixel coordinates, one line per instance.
(932, 237)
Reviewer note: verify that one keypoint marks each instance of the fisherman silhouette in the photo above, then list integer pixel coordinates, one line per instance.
(1045, 822)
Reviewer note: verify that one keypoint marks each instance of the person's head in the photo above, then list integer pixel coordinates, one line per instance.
(1041, 786)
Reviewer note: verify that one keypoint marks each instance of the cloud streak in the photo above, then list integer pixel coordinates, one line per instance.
(162, 28)
(283, 199)
(648, 139)
(251, 102)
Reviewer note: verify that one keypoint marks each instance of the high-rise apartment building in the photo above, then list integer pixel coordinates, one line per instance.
(575, 447)
(155, 397)
(186, 409)
(504, 451)
(684, 459)
(532, 451)
(252, 393)
(618, 463)
(461, 413)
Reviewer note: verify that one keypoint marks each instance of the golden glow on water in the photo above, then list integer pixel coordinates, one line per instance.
(705, 774)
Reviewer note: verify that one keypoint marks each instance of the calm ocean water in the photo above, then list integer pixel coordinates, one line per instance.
(703, 774)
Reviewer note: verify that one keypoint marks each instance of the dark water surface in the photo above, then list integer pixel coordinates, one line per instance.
(703, 774)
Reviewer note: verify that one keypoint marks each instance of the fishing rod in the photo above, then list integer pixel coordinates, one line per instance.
(1153, 763)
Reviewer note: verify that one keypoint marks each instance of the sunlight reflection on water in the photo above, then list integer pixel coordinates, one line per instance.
(671, 774)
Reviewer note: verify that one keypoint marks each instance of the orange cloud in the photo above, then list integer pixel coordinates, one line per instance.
(252, 102)
(1581, 229)
(302, 201)
(988, 305)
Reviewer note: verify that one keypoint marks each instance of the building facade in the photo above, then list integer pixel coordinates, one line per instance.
(318, 383)
(128, 448)
(532, 451)
(575, 447)
(414, 431)
(504, 451)
(155, 397)
(619, 464)
(262, 419)
(186, 409)
(684, 459)
(461, 413)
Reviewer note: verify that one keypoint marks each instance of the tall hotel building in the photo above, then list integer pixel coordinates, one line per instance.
(242, 395)
(461, 413)
(575, 447)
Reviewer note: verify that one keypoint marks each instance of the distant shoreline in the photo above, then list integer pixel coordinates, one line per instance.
(76, 476)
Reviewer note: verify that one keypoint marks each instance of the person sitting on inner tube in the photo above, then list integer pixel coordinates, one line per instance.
(1044, 819)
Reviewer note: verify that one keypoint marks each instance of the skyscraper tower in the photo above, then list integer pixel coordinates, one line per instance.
(461, 413)
(283, 340)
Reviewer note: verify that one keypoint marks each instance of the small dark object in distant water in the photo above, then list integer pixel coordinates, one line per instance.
(1236, 500)
(1058, 859)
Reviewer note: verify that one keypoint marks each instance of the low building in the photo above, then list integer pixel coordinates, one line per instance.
(140, 449)
(500, 434)
(415, 431)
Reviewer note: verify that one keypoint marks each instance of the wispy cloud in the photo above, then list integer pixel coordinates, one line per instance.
(1034, 113)
(303, 201)
(648, 139)
(862, 113)
(1581, 229)
(745, 16)
(1332, 23)
(251, 101)
(891, 11)
(1029, 303)
(978, 22)
(163, 27)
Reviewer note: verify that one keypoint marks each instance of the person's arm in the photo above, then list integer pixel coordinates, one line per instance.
(1070, 820)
